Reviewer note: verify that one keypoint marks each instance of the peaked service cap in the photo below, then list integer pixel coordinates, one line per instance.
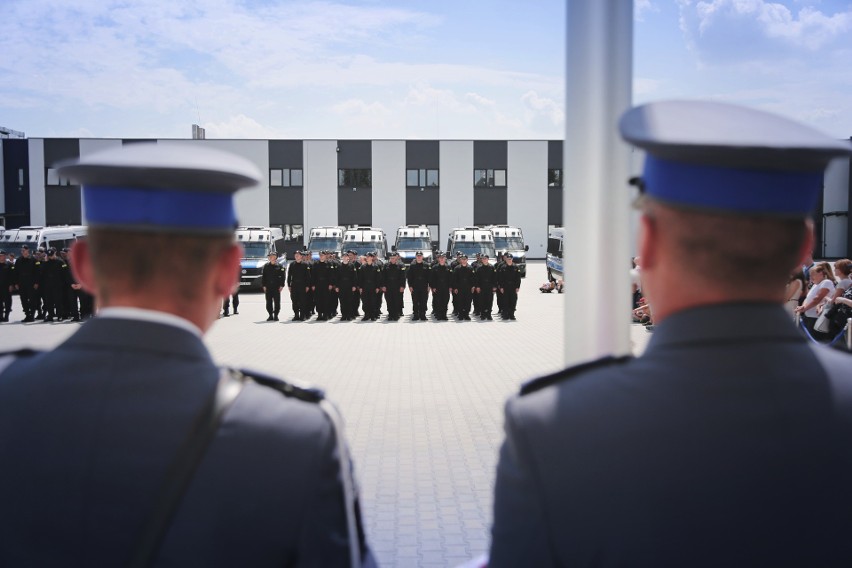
(729, 158)
(162, 187)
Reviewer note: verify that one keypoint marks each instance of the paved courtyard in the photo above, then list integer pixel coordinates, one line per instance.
(423, 404)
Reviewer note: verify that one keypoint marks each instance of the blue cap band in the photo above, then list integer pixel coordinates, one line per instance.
(167, 208)
(731, 189)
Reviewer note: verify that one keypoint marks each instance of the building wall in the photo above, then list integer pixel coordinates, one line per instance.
(456, 201)
(388, 185)
(835, 210)
(527, 192)
(37, 204)
(320, 183)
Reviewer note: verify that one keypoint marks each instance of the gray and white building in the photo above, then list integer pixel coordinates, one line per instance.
(383, 183)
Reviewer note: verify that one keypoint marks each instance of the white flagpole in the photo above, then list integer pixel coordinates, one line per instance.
(596, 204)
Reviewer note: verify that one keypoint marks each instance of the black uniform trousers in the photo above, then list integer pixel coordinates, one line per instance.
(299, 299)
(420, 299)
(393, 298)
(273, 300)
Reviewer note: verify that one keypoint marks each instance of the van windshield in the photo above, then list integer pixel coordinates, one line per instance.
(470, 249)
(364, 248)
(325, 243)
(508, 243)
(413, 243)
(255, 250)
(15, 248)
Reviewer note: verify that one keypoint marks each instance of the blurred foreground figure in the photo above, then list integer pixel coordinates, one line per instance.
(729, 441)
(127, 445)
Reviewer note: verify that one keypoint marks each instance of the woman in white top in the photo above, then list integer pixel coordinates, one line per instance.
(822, 289)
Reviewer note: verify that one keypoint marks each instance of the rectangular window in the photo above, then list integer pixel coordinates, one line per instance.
(52, 177)
(421, 178)
(489, 178)
(554, 178)
(275, 178)
(355, 178)
(285, 178)
(21, 177)
(296, 178)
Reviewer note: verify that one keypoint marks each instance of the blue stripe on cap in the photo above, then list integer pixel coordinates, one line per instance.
(159, 208)
(730, 189)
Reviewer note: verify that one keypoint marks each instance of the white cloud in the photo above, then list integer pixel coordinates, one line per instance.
(642, 7)
(240, 126)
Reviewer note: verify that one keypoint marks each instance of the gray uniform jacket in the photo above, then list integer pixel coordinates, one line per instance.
(727, 443)
(88, 430)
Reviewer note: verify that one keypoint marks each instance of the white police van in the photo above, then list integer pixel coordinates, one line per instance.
(555, 241)
(470, 241)
(511, 239)
(35, 237)
(363, 239)
(325, 238)
(412, 239)
(257, 243)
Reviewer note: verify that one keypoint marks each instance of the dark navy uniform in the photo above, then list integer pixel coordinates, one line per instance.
(418, 282)
(486, 283)
(24, 279)
(508, 283)
(347, 286)
(439, 281)
(393, 275)
(463, 282)
(5, 283)
(727, 443)
(369, 284)
(299, 282)
(54, 278)
(323, 281)
(272, 279)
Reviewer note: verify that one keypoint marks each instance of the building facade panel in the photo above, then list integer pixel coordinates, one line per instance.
(355, 188)
(422, 199)
(555, 188)
(490, 193)
(320, 183)
(286, 183)
(456, 204)
(37, 175)
(528, 192)
(62, 200)
(16, 182)
(388, 184)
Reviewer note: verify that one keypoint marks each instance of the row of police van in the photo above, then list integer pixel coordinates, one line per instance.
(492, 240)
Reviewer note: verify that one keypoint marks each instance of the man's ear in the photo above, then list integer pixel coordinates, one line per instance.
(649, 241)
(227, 277)
(81, 266)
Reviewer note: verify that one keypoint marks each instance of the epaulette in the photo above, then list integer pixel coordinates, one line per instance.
(571, 372)
(25, 352)
(306, 394)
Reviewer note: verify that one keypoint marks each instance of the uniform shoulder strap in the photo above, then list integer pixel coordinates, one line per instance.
(293, 390)
(571, 372)
(9, 357)
(182, 469)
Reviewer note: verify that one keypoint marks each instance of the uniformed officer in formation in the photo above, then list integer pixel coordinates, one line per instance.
(369, 286)
(486, 285)
(323, 282)
(272, 280)
(727, 443)
(464, 283)
(440, 278)
(298, 284)
(393, 285)
(418, 285)
(54, 278)
(127, 445)
(5, 287)
(508, 286)
(347, 287)
(25, 282)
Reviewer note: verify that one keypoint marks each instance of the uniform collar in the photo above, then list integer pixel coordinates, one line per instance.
(725, 323)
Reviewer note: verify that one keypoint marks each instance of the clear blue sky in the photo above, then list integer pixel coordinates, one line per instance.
(394, 68)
